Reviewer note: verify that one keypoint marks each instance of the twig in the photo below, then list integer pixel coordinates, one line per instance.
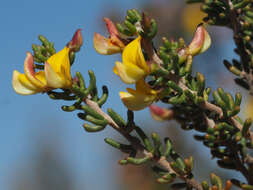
(139, 147)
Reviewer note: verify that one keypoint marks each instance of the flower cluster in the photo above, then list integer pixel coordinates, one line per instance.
(135, 68)
(56, 73)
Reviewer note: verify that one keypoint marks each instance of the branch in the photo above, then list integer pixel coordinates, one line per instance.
(139, 147)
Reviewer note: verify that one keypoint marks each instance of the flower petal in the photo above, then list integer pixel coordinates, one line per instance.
(54, 80)
(133, 54)
(135, 101)
(142, 87)
(21, 84)
(30, 72)
(59, 60)
(207, 42)
(103, 46)
(198, 41)
(129, 73)
(57, 70)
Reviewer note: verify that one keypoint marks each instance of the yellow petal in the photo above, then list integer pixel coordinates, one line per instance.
(22, 85)
(135, 101)
(142, 87)
(103, 46)
(132, 54)
(30, 72)
(60, 61)
(57, 70)
(128, 73)
(54, 80)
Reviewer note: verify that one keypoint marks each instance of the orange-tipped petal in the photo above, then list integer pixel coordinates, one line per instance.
(21, 84)
(160, 114)
(30, 72)
(103, 45)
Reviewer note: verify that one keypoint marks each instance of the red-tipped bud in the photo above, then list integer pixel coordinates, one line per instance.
(76, 42)
(160, 114)
(111, 27)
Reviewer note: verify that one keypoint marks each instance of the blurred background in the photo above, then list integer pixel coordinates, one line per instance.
(44, 148)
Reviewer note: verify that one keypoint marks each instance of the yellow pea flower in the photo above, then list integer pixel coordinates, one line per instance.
(140, 98)
(55, 75)
(134, 66)
(111, 45)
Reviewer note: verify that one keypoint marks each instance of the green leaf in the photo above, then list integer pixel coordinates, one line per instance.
(117, 118)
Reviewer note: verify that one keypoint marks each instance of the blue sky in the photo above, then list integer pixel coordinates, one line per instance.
(27, 120)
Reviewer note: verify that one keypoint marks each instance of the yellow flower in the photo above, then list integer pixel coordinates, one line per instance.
(140, 98)
(55, 75)
(111, 45)
(134, 66)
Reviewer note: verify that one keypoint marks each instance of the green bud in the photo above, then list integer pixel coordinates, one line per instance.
(230, 100)
(69, 108)
(168, 148)
(231, 68)
(178, 99)
(157, 144)
(138, 161)
(175, 87)
(241, 4)
(123, 162)
(153, 29)
(246, 126)
(205, 185)
(219, 100)
(238, 99)
(117, 118)
(200, 82)
(95, 121)
(113, 143)
(104, 96)
(188, 162)
(44, 41)
(92, 84)
(216, 180)
(247, 187)
(81, 80)
(90, 128)
(91, 112)
(130, 27)
(144, 138)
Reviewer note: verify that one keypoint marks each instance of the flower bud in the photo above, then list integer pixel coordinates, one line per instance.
(76, 42)
(201, 41)
(161, 114)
